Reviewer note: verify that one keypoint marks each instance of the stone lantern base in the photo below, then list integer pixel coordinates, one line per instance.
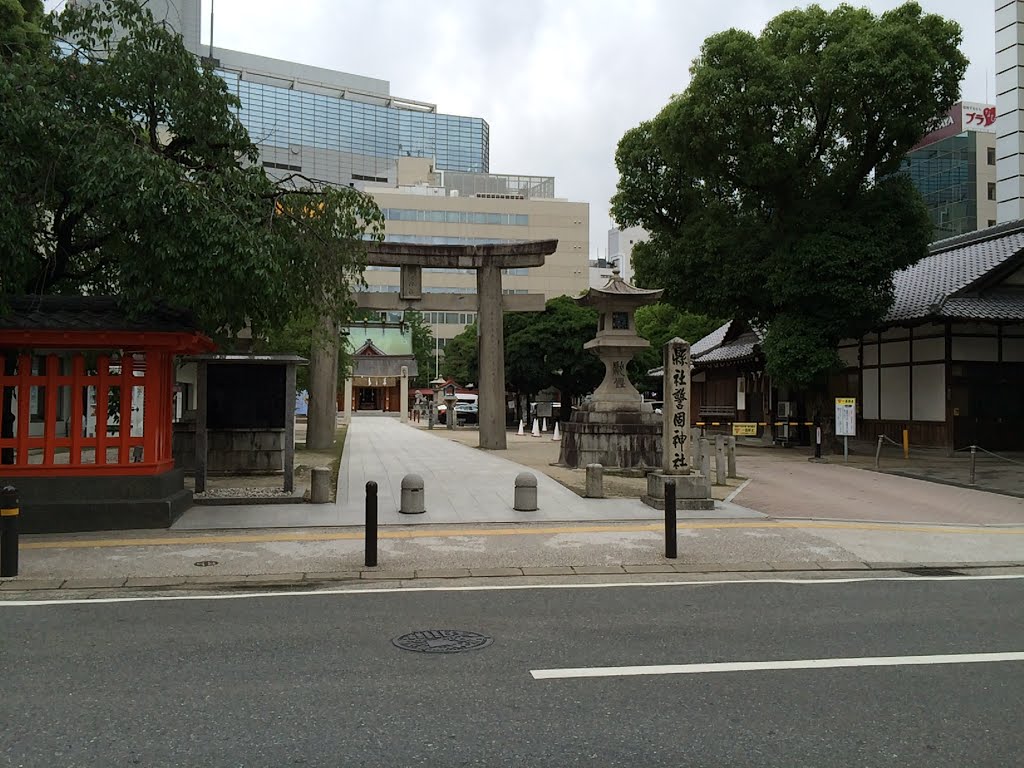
(622, 439)
(693, 491)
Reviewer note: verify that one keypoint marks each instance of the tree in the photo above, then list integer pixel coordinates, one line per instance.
(542, 349)
(422, 347)
(128, 172)
(461, 357)
(658, 323)
(770, 185)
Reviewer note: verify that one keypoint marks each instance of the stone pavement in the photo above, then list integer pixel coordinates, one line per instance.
(823, 517)
(786, 484)
(170, 559)
(462, 484)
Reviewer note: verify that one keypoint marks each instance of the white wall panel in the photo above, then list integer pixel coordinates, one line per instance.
(929, 393)
(895, 403)
(896, 352)
(870, 405)
(1013, 350)
(929, 349)
(966, 348)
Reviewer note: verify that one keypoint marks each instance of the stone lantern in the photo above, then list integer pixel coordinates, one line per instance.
(436, 385)
(450, 399)
(616, 428)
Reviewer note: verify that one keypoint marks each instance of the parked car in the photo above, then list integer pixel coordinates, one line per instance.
(465, 413)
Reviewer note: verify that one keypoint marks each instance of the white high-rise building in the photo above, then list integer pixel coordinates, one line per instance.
(1009, 44)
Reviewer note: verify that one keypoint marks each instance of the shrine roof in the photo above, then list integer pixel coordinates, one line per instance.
(617, 288)
(89, 313)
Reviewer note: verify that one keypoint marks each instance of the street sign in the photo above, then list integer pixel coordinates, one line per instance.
(846, 416)
(744, 428)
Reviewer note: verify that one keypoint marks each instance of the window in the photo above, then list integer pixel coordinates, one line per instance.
(620, 321)
(991, 155)
(991, 190)
(991, 222)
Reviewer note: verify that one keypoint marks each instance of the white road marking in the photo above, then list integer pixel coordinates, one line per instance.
(737, 492)
(760, 666)
(492, 588)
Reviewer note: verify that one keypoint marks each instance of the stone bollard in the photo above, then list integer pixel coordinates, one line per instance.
(595, 482)
(526, 492)
(705, 457)
(412, 496)
(730, 449)
(720, 460)
(320, 485)
(694, 449)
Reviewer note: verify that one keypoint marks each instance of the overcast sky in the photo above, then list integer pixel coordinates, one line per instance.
(559, 81)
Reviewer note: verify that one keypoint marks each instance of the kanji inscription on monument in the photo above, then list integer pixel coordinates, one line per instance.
(676, 409)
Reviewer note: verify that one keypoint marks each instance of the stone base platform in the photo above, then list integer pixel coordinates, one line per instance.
(693, 491)
(623, 440)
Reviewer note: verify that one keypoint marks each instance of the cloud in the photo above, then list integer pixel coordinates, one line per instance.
(559, 81)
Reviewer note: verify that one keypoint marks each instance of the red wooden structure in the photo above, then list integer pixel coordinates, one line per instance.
(76, 352)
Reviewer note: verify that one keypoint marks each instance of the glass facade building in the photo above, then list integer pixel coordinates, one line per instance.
(291, 118)
(946, 175)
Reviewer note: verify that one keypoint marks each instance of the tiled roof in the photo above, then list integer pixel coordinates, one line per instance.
(1008, 306)
(742, 348)
(617, 287)
(88, 313)
(712, 340)
(953, 265)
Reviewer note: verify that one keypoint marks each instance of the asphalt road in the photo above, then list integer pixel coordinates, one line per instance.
(316, 681)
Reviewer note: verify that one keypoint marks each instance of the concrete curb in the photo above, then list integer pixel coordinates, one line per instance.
(27, 584)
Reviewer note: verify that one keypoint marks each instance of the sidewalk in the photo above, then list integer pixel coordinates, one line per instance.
(170, 559)
(792, 516)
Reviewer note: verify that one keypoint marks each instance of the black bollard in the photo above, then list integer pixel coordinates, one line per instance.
(9, 513)
(371, 524)
(670, 519)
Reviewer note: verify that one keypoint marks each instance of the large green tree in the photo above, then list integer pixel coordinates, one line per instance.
(542, 350)
(127, 171)
(770, 185)
(658, 323)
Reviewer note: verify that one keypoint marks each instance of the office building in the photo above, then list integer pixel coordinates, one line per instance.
(954, 168)
(619, 255)
(442, 207)
(428, 171)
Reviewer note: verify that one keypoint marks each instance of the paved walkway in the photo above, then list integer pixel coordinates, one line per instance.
(787, 485)
(462, 485)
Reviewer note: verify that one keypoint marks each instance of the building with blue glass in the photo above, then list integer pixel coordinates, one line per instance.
(429, 172)
(954, 169)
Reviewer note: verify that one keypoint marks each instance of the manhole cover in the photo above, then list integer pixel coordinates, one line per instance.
(932, 572)
(205, 563)
(442, 641)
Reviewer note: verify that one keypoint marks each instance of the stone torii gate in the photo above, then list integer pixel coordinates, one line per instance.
(487, 261)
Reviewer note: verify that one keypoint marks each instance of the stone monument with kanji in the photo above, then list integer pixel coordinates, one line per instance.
(693, 490)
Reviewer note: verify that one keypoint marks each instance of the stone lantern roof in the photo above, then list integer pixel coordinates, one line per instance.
(618, 291)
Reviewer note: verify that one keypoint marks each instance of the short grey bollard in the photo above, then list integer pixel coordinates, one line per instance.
(595, 482)
(705, 457)
(320, 485)
(412, 496)
(730, 450)
(719, 459)
(526, 492)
